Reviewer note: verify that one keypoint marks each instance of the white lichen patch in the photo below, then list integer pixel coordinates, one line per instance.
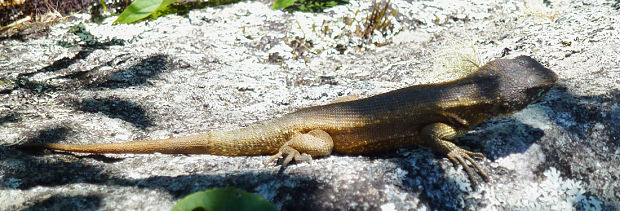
(553, 192)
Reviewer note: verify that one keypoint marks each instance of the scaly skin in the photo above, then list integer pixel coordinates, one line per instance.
(430, 114)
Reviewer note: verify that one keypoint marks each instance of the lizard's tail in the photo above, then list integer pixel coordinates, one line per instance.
(182, 145)
(207, 143)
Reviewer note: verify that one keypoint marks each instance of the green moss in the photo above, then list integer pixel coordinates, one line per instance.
(307, 5)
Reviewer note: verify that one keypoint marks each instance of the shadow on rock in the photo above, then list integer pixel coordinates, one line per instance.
(27, 171)
(117, 108)
(585, 142)
(137, 74)
(24, 79)
(60, 202)
(9, 118)
(495, 138)
(31, 169)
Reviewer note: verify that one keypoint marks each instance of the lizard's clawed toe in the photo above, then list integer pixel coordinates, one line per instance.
(291, 154)
(272, 158)
(458, 157)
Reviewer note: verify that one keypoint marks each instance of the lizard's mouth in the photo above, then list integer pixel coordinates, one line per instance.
(536, 93)
(544, 81)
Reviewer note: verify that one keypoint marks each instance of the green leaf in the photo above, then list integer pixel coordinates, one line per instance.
(102, 2)
(140, 9)
(281, 4)
(223, 199)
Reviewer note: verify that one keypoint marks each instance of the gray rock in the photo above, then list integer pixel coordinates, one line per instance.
(182, 75)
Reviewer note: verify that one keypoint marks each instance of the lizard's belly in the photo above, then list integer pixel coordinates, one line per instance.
(367, 142)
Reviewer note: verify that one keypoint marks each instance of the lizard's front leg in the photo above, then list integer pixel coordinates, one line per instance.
(438, 136)
(302, 147)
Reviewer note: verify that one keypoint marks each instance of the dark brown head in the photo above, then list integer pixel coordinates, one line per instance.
(518, 82)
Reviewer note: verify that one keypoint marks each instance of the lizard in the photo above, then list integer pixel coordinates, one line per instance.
(429, 114)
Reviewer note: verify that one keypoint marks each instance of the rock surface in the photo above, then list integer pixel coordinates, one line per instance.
(232, 65)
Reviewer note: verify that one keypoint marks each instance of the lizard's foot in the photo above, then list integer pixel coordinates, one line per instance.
(459, 155)
(290, 155)
(437, 136)
(303, 147)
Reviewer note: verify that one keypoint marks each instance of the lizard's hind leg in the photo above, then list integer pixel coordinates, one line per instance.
(302, 147)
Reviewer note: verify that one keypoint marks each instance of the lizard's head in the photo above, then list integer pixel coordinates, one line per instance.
(519, 82)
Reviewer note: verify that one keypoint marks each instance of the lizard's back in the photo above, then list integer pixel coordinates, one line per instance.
(395, 118)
